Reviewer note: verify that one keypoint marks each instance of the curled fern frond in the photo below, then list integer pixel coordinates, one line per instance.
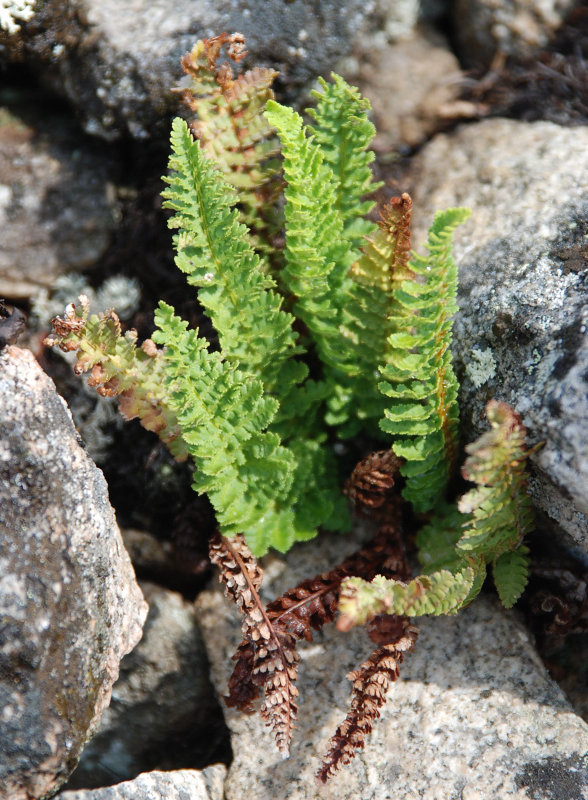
(231, 127)
(422, 413)
(119, 368)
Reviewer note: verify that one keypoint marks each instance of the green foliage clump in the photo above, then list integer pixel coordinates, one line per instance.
(487, 527)
(310, 285)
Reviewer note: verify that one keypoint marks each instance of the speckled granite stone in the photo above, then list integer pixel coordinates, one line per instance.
(182, 784)
(523, 293)
(70, 607)
(473, 717)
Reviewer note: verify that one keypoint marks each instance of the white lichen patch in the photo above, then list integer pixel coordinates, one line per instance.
(13, 10)
(481, 366)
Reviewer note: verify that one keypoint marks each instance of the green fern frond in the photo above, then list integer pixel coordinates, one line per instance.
(214, 252)
(119, 368)
(441, 592)
(500, 506)
(343, 131)
(418, 379)
(356, 402)
(233, 132)
(315, 246)
(224, 416)
(511, 573)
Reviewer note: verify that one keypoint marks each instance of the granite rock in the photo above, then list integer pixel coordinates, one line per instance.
(57, 205)
(69, 603)
(473, 716)
(176, 785)
(118, 61)
(413, 87)
(163, 713)
(521, 333)
(514, 27)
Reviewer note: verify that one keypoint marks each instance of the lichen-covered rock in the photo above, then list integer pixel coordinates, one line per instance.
(177, 785)
(521, 333)
(117, 62)
(514, 27)
(57, 209)
(69, 603)
(163, 713)
(474, 714)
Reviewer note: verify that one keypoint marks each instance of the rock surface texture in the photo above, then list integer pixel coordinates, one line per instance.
(57, 209)
(521, 334)
(178, 785)
(69, 603)
(117, 62)
(516, 27)
(161, 703)
(474, 714)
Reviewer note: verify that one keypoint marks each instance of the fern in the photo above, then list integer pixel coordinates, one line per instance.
(343, 132)
(214, 252)
(422, 415)
(232, 130)
(342, 298)
(455, 551)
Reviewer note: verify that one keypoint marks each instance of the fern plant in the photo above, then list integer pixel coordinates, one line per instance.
(312, 284)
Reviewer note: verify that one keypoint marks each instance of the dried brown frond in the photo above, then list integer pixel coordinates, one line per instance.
(395, 221)
(271, 661)
(371, 681)
(370, 483)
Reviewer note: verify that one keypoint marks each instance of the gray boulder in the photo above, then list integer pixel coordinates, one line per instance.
(163, 713)
(520, 335)
(178, 785)
(70, 608)
(473, 715)
(514, 27)
(118, 61)
(57, 207)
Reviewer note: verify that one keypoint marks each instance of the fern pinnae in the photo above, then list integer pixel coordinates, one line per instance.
(315, 247)
(344, 133)
(224, 416)
(418, 379)
(233, 131)
(214, 252)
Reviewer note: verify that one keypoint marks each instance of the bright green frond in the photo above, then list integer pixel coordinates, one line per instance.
(343, 131)
(214, 251)
(422, 413)
(511, 573)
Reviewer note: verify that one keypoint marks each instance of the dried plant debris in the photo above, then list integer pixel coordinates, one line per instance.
(552, 85)
(267, 660)
(371, 681)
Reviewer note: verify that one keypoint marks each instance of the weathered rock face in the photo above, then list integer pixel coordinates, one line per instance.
(57, 209)
(163, 709)
(177, 785)
(523, 259)
(515, 27)
(474, 714)
(412, 86)
(117, 62)
(69, 603)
